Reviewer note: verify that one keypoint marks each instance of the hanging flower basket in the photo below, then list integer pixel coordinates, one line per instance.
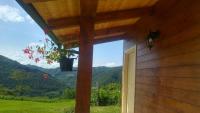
(49, 51)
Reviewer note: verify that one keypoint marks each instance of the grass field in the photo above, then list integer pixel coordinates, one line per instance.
(17, 106)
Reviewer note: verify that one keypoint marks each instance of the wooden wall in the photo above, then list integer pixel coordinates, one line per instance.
(168, 76)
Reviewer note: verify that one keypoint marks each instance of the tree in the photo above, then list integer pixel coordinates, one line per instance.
(106, 95)
(69, 93)
(2, 90)
(22, 89)
(20, 76)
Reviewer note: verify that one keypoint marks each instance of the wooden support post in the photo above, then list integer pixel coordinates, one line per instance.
(84, 77)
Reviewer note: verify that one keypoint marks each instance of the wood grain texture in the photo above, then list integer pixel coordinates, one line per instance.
(58, 9)
(63, 16)
(65, 22)
(32, 1)
(84, 76)
(168, 76)
(100, 32)
(111, 34)
(98, 39)
(116, 5)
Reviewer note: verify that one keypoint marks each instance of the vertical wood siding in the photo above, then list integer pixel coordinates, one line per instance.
(168, 76)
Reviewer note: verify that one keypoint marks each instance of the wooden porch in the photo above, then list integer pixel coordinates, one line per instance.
(167, 76)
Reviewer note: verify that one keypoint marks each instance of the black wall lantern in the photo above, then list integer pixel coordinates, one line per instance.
(151, 37)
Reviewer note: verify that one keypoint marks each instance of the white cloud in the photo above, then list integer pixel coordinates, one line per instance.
(10, 14)
(110, 64)
(29, 19)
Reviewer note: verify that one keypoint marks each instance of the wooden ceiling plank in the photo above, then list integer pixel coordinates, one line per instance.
(123, 14)
(100, 18)
(63, 23)
(34, 1)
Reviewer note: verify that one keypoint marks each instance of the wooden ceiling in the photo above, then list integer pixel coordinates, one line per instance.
(112, 17)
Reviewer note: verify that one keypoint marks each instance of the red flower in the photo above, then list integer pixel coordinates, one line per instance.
(30, 56)
(27, 51)
(37, 60)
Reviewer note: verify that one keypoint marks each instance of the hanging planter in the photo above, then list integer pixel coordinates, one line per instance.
(66, 64)
(151, 37)
(49, 51)
(66, 59)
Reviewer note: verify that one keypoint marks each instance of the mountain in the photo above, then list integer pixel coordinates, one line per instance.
(23, 80)
(101, 75)
(36, 81)
(67, 78)
(106, 75)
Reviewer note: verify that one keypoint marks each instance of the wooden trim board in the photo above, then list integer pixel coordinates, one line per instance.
(128, 82)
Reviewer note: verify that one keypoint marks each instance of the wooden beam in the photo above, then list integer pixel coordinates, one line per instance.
(123, 28)
(109, 39)
(84, 77)
(100, 18)
(99, 39)
(34, 1)
(100, 32)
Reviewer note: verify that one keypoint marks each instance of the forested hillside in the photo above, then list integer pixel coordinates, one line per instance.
(101, 75)
(22, 80)
(18, 79)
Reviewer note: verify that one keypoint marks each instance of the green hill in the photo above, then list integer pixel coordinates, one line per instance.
(30, 80)
(107, 75)
(22, 80)
(101, 75)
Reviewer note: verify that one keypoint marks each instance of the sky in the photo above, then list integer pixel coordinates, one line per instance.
(18, 30)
